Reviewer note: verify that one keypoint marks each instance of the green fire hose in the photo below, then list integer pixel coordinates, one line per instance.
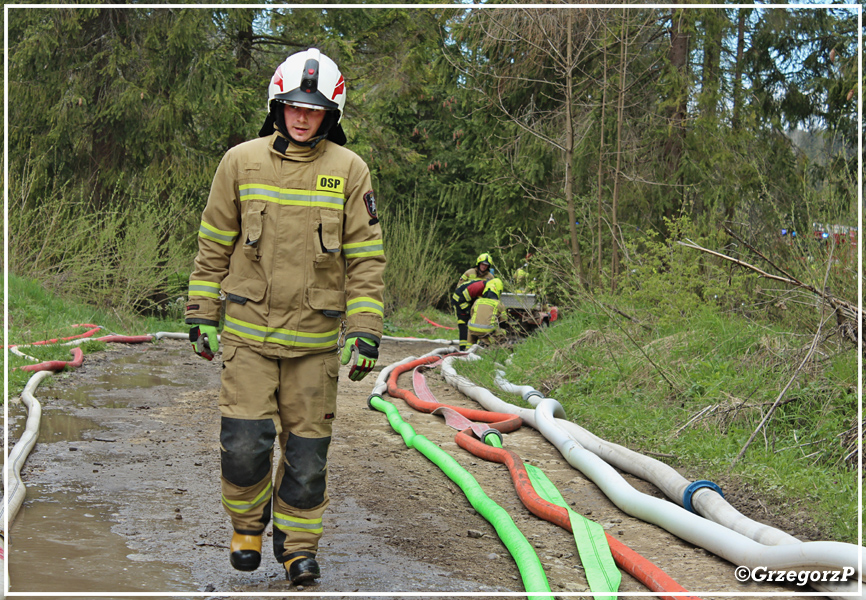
(531, 571)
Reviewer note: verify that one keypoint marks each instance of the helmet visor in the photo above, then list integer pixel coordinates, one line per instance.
(315, 100)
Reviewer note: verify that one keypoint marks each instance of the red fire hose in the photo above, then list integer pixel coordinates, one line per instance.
(436, 324)
(499, 421)
(94, 329)
(58, 365)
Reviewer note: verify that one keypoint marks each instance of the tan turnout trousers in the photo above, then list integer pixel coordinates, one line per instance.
(263, 398)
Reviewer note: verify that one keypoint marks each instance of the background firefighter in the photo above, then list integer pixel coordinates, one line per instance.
(483, 270)
(463, 299)
(291, 239)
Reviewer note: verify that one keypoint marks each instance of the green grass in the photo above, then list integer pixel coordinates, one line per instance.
(36, 314)
(409, 322)
(639, 387)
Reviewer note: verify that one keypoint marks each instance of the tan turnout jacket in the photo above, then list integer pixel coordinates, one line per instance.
(292, 241)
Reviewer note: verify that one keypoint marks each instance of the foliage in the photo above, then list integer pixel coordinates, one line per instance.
(416, 276)
(151, 98)
(673, 281)
(128, 256)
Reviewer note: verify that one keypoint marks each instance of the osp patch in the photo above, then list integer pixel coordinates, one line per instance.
(330, 183)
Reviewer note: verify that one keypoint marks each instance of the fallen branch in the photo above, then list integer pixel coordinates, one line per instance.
(845, 310)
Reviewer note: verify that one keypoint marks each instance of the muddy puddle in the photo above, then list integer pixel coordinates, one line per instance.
(63, 544)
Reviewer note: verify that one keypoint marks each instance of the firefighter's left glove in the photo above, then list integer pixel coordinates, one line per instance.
(361, 355)
(204, 340)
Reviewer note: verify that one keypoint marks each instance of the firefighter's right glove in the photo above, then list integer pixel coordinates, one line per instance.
(204, 340)
(360, 355)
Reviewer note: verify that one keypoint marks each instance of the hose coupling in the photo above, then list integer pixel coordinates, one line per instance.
(370, 400)
(489, 432)
(532, 393)
(694, 487)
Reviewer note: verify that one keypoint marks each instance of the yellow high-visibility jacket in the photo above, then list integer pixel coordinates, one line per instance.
(484, 318)
(291, 239)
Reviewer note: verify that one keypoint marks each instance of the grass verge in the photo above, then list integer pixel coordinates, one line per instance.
(35, 314)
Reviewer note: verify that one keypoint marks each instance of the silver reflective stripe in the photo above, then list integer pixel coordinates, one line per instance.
(281, 336)
(371, 248)
(210, 232)
(240, 506)
(246, 192)
(290, 196)
(365, 305)
(204, 288)
(286, 522)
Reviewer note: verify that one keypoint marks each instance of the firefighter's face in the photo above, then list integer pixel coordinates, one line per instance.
(483, 267)
(302, 123)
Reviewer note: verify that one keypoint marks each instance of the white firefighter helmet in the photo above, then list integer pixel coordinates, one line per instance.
(309, 79)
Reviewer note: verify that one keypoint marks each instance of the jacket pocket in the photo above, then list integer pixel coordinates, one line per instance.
(254, 218)
(240, 289)
(330, 228)
(331, 303)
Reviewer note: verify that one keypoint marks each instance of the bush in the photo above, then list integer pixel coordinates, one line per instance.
(129, 255)
(416, 275)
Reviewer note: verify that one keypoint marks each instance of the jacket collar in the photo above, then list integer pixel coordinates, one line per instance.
(282, 146)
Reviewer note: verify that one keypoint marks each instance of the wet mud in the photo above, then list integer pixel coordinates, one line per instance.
(123, 497)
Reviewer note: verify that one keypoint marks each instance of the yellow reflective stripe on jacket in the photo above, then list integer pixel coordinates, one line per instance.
(242, 506)
(288, 523)
(359, 249)
(285, 337)
(365, 304)
(483, 319)
(290, 197)
(209, 232)
(207, 289)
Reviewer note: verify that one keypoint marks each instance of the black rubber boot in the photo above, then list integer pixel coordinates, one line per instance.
(302, 570)
(246, 552)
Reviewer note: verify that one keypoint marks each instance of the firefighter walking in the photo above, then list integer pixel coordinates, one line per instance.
(291, 240)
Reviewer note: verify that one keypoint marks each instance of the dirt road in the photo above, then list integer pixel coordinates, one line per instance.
(123, 496)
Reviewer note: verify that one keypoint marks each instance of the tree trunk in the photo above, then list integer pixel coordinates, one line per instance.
(673, 148)
(601, 162)
(569, 155)
(243, 59)
(738, 67)
(714, 28)
(620, 109)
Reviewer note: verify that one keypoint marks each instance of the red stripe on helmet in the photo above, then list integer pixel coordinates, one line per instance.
(278, 78)
(339, 88)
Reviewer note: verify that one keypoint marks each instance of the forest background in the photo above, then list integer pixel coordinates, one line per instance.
(597, 140)
(582, 136)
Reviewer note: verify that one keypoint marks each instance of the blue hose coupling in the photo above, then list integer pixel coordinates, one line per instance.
(694, 487)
